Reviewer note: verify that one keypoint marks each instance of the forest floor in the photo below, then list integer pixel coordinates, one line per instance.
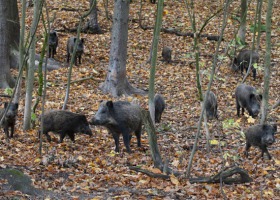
(90, 169)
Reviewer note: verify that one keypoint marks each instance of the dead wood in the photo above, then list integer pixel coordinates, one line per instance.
(149, 173)
(226, 177)
(179, 33)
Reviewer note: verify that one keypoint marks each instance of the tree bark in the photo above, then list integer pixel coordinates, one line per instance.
(116, 82)
(21, 56)
(259, 11)
(31, 66)
(13, 24)
(242, 29)
(149, 126)
(154, 59)
(92, 25)
(267, 75)
(6, 79)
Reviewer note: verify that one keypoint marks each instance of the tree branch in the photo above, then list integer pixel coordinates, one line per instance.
(225, 175)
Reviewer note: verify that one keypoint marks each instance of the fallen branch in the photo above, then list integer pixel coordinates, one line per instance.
(85, 29)
(69, 30)
(4, 95)
(179, 33)
(85, 79)
(225, 175)
(149, 173)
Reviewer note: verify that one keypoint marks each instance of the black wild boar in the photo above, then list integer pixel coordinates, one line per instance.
(166, 54)
(159, 107)
(70, 48)
(65, 123)
(9, 120)
(246, 97)
(260, 136)
(211, 106)
(53, 42)
(243, 59)
(120, 118)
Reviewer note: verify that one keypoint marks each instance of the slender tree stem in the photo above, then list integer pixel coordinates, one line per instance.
(73, 55)
(209, 86)
(264, 107)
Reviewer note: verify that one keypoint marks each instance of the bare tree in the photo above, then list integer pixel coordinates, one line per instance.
(116, 81)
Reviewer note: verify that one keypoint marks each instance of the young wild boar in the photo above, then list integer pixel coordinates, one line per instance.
(166, 54)
(260, 136)
(159, 107)
(243, 59)
(65, 123)
(120, 118)
(70, 48)
(246, 97)
(9, 120)
(53, 42)
(211, 106)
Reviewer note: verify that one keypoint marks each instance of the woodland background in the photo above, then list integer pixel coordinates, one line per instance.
(91, 169)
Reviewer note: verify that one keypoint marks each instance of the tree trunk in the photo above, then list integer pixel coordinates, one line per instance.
(92, 25)
(259, 10)
(29, 3)
(116, 82)
(21, 58)
(242, 29)
(154, 59)
(13, 24)
(6, 31)
(264, 107)
(31, 66)
(149, 126)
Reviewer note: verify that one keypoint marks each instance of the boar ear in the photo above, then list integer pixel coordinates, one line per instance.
(260, 96)
(109, 104)
(53, 33)
(16, 105)
(274, 127)
(252, 96)
(83, 117)
(6, 104)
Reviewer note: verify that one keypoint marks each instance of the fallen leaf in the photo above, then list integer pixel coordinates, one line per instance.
(174, 180)
(251, 120)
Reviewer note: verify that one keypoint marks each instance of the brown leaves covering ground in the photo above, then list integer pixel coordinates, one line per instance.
(90, 168)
